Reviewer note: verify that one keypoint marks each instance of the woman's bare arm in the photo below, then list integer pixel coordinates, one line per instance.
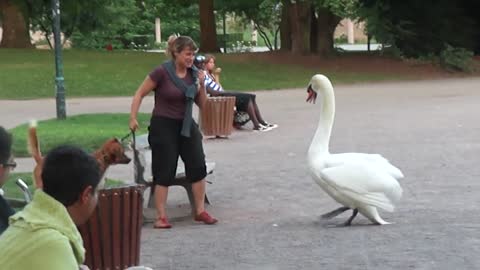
(202, 94)
(144, 89)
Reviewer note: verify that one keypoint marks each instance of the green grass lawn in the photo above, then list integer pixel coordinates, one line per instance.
(88, 131)
(28, 74)
(13, 191)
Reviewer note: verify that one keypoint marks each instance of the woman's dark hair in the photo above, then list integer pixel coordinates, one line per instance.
(67, 171)
(208, 57)
(178, 44)
(5, 145)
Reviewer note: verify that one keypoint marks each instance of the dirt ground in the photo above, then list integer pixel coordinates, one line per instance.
(361, 63)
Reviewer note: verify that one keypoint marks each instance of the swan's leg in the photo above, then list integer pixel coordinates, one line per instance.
(349, 221)
(335, 212)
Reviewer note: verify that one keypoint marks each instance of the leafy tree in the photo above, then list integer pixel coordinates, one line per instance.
(15, 25)
(96, 23)
(421, 28)
(265, 14)
(208, 31)
(326, 16)
(180, 16)
(300, 13)
(131, 21)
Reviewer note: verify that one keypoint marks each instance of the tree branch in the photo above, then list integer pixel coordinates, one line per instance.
(264, 36)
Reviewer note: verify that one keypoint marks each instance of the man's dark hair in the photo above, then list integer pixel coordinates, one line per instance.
(5, 145)
(67, 171)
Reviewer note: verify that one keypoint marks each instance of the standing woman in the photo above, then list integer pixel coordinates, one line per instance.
(172, 131)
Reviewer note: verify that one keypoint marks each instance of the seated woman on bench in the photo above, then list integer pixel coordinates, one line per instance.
(245, 102)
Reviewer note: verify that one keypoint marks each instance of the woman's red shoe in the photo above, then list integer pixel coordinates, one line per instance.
(162, 223)
(206, 218)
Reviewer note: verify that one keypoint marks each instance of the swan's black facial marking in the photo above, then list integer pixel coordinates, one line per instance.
(312, 95)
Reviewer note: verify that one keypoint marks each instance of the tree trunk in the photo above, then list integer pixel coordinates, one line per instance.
(208, 31)
(285, 27)
(300, 19)
(15, 31)
(313, 32)
(326, 24)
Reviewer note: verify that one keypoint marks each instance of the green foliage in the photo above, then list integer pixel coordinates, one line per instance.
(97, 23)
(88, 131)
(342, 39)
(265, 15)
(341, 8)
(75, 15)
(27, 74)
(419, 28)
(241, 46)
(230, 38)
(117, 27)
(456, 59)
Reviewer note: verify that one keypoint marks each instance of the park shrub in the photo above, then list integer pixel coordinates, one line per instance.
(456, 59)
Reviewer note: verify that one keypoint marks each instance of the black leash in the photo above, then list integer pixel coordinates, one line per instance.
(128, 135)
(134, 141)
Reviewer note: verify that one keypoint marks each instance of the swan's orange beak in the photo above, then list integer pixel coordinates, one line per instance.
(312, 95)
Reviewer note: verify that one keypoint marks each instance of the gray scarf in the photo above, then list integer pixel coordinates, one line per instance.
(189, 90)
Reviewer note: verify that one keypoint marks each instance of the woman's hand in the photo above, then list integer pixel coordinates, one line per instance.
(133, 124)
(201, 79)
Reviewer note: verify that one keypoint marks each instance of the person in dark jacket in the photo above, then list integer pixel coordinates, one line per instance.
(6, 164)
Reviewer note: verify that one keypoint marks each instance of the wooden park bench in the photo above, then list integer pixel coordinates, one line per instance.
(142, 161)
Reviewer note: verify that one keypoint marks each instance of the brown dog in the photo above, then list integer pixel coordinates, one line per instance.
(112, 152)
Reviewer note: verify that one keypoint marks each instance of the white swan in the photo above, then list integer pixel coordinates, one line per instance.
(361, 182)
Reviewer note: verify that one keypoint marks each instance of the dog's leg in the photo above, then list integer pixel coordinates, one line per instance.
(34, 149)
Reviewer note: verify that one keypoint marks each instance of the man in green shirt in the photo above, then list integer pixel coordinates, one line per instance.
(44, 235)
(6, 164)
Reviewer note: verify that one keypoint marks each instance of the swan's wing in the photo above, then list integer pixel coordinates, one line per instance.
(374, 159)
(364, 183)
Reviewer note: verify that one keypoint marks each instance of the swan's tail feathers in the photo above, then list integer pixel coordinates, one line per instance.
(385, 200)
(379, 200)
(375, 199)
(382, 222)
(33, 145)
(371, 213)
(395, 172)
(395, 192)
(386, 165)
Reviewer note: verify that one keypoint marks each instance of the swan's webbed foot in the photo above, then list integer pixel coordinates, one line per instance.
(349, 221)
(335, 212)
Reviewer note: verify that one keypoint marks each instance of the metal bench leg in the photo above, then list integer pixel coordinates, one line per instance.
(151, 199)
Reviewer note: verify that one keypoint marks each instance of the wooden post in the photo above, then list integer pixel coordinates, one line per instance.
(350, 32)
(158, 33)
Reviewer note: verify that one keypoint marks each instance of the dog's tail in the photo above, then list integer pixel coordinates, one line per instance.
(33, 145)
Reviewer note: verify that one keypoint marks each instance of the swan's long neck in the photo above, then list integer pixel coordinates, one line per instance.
(319, 145)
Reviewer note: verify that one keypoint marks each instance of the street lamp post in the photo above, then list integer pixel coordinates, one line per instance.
(59, 80)
(224, 33)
